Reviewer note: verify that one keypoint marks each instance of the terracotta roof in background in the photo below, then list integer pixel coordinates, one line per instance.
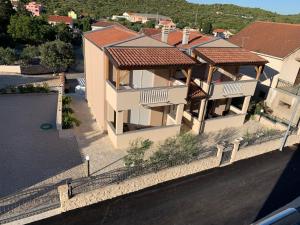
(60, 19)
(150, 31)
(219, 30)
(104, 23)
(175, 38)
(109, 35)
(135, 58)
(275, 39)
(221, 56)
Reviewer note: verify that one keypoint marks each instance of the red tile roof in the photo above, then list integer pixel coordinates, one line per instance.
(60, 19)
(150, 31)
(229, 56)
(195, 91)
(219, 30)
(148, 57)
(104, 23)
(175, 38)
(275, 39)
(110, 35)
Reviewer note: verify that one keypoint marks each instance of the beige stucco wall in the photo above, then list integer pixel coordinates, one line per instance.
(223, 122)
(275, 97)
(155, 134)
(95, 81)
(10, 69)
(290, 67)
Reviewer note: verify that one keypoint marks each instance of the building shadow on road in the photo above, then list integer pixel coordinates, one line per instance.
(285, 190)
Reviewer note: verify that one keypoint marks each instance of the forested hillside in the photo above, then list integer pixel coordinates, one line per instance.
(222, 16)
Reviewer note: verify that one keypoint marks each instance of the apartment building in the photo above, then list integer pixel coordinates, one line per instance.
(132, 84)
(219, 94)
(279, 43)
(54, 19)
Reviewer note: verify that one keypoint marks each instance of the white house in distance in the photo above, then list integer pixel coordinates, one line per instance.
(222, 33)
(279, 43)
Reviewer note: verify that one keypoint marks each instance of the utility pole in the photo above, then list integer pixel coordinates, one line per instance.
(284, 139)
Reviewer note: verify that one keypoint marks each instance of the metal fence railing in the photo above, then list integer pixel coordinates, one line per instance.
(260, 138)
(278, 119)
(28, 203)
(287, 86)
(117, 175)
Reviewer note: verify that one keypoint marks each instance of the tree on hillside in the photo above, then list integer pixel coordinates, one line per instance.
(207, 28)
(6, 11)
(57, 55)
(7, 56)
(30, 30)
(84, 24)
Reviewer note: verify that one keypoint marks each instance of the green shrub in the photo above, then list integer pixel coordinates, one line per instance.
(136, 152)
(68, 121)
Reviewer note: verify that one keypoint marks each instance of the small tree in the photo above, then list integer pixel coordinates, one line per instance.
(57, 55)
(7, 56)
(207, 28)
(136, 152)
(28, 54)
(63, 32)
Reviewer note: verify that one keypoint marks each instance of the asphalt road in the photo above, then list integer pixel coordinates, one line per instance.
(237, 194)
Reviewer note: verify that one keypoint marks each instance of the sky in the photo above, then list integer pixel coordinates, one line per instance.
(279, 6)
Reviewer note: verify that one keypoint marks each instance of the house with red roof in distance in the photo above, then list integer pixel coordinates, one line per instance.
(144, 17)
(167, 23)
(34, 8)
(103, 23)
(147, 87)
(279, 43)
(54, 19)
(222, 33)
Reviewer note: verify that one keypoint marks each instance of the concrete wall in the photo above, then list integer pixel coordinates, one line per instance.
(265, 147)
(271, 124)
(95, 81)
(275, 99)
(10, 69)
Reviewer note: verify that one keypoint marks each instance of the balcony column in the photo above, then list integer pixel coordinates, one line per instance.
(246, 104)
(179, 113)
(259, 71)
(202, 110)
(119, 122)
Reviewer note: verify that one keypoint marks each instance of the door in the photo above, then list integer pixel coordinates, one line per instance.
(140, 79)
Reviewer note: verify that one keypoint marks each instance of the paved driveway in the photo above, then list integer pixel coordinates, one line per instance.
(28, 154)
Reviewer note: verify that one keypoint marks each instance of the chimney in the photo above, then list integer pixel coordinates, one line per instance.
(185, 35)
(164, 34)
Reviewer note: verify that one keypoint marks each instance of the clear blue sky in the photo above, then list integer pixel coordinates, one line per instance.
(279, 6)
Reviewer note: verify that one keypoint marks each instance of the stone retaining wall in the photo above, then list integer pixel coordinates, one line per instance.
(138, 183)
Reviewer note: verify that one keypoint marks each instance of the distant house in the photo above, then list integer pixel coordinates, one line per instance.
(279, 43)
(166, 23)
(102, 24)
(222, 33)
(72, 14)
(54, 19)
(144, 17)
(34, 8)
(15, 4)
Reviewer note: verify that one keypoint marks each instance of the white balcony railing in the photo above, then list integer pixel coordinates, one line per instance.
(152, 96)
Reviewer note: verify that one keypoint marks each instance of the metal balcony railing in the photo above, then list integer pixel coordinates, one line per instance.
(287, 86)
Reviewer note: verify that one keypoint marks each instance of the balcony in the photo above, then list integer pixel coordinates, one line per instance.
(288, 87)
(127, 97)
(230, 89)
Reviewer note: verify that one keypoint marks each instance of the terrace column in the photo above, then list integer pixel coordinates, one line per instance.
(246, 104)
(119, 122)
(179, 113)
